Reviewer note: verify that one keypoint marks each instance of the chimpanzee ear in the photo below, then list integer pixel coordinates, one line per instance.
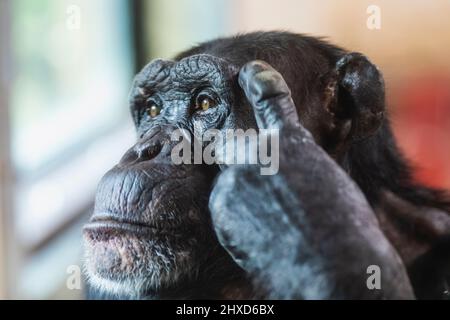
(357, 102)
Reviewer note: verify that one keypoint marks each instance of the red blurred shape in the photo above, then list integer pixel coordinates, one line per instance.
(422, 127)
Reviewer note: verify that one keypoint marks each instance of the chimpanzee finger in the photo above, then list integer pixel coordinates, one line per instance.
(269, 95)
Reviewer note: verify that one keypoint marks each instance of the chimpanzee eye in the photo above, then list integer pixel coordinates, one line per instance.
(204, 102)
(152, 109)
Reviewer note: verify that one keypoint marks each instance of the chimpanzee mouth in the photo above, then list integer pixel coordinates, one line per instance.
(109, 225)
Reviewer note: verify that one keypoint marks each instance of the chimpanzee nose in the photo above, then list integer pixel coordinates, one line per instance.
(155, 144)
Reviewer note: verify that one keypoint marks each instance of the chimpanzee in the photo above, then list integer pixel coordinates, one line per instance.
(342, 208)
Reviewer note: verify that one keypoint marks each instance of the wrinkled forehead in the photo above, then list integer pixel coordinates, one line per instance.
(190, 72)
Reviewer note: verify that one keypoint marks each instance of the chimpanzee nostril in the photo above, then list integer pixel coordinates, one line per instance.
(148, 147)
(141, 152)
(151, 152)
(129, 157)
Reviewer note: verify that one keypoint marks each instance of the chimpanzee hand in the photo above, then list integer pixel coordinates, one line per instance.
(308, 231)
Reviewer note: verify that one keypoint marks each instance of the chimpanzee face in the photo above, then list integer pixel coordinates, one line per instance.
(151, 226)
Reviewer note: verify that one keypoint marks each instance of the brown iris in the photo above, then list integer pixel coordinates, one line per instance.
(204, 102)
(153, 110)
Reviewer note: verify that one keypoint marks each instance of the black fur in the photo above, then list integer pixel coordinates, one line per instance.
(339, 99)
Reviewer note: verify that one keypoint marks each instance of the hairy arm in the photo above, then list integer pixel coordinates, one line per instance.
(306, 232)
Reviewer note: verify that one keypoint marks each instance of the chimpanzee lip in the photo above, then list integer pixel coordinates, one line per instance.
(107, 223)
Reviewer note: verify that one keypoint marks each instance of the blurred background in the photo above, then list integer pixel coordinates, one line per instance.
(66, 67)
